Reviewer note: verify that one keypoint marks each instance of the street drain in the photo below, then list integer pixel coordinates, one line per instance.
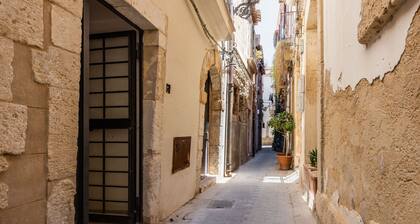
(220, 204)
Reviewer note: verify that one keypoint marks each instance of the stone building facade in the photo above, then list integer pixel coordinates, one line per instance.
(77, 148)
(40, 61)
(358, 102)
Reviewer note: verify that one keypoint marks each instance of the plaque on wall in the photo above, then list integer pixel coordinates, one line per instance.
(181, 153)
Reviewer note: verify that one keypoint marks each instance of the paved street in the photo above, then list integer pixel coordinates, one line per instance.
(258, 193)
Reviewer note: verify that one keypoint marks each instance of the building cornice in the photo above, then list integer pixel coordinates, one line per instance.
(217, 18)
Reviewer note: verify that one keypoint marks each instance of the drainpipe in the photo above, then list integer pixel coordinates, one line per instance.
(228, 151)
(321, 143)
(228, 155)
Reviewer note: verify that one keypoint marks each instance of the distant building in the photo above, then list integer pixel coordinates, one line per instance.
(268, 107)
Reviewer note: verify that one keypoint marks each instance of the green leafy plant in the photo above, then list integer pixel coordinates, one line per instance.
(282, 123)
(313, 157)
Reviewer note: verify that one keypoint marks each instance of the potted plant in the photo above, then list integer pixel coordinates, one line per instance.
(313, 159)
(283, 123)
(311, 177)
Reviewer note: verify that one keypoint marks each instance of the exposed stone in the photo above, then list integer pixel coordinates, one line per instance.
(63, 112)
(6, 69)
(62, 141)
(375, 15)
(66, 31)
(57, 67)
(13, 125)
(3, 164)
(152, 120)
(22, 21)
(61, 163)
(3, 195)
(154, 38)
(74, 6)
(60, 203)
(371, 141)
(330, 212)
(145, 13)
(153, 73)
(63, 131)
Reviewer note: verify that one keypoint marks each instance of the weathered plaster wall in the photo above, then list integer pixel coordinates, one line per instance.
(40, 70)
(341, 20)
(372, 137)
(181, 107)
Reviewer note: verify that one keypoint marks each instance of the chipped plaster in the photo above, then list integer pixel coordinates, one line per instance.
(347, 59)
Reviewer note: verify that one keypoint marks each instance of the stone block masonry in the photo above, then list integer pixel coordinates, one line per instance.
(40, 45)
(22, 21)
(6, 69)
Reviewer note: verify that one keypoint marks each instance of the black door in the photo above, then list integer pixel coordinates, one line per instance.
(206, 134)
(112, 128)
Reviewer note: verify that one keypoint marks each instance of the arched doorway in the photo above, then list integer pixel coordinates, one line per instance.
(210, 150)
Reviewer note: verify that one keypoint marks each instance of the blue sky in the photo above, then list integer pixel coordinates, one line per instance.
(269, 11)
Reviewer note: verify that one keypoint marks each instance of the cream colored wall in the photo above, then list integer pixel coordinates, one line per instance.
(341, 19)
(243, 34)
(311, 86)
(186, 46)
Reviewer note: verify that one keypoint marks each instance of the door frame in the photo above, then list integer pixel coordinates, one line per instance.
(206, 130)
(81, 197)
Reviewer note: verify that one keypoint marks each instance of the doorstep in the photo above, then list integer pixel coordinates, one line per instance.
(207, 182)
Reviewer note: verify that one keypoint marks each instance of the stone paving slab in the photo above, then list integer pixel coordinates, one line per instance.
(258, 194)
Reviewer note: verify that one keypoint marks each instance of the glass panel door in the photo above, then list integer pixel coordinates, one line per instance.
(112, 114)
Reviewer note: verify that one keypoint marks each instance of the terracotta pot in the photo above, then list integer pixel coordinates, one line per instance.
(311, 179)
(284, 161)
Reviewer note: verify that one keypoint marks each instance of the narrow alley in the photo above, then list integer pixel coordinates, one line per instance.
(209, 112)
(257, 193)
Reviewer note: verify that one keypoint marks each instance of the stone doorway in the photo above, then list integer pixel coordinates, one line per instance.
(109, 161)
(210, 147)
(206, 134)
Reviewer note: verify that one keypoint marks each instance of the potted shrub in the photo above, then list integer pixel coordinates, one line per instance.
(283, 123)
(313, 159)
(311, 173)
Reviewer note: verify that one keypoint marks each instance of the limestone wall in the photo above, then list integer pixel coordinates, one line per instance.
(371, 142)
(39, 90)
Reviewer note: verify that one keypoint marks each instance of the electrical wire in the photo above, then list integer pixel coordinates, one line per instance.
(232, 53)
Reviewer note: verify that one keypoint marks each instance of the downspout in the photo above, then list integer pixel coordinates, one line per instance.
(228, 151)
(321, 142)
(228, 116)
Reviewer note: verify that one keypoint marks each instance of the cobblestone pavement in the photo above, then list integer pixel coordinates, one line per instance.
(258, 194)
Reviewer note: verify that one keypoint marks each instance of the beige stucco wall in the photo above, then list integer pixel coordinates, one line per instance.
(186, 48)
(311, 89)
(370, 158)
